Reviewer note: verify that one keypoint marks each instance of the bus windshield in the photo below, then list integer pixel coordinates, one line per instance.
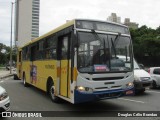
(102, 53)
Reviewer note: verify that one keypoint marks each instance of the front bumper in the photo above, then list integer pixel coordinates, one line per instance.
(80, 97)
(4, 105)
(141, 85)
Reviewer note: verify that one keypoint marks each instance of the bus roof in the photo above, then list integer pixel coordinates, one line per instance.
(94, 20)
(69, 23)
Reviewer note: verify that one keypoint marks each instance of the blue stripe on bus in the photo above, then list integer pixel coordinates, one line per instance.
(80, 97)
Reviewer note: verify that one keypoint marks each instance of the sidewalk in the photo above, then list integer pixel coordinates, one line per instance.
(5, 73)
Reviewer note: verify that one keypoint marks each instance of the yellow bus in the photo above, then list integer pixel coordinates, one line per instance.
(80, 61)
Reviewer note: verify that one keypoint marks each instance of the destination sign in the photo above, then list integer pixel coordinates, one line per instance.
(101, 26)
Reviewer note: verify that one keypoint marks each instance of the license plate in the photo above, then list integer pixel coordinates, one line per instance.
(129, 92)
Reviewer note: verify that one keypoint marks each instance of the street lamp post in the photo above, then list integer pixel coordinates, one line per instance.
(11, 39)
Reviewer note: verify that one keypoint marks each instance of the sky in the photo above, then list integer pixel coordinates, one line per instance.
(54, 13)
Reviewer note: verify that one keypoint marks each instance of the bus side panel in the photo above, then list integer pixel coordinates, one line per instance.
(41, 71)
(63, 78)
(26, 70)
(18, 66)
(69, 80)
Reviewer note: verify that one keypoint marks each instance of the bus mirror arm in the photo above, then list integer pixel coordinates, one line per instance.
(75, 40)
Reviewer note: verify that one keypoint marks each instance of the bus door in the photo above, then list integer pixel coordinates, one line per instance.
(64, 57)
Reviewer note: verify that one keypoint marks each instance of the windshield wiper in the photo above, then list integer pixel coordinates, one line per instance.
(114, 49)
(114, 43)
(116, 39)
(96, 35)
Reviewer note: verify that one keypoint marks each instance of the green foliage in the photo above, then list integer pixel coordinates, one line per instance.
(5, 54)
(146, 44)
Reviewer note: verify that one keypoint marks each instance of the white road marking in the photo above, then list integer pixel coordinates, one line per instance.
(131, 100)
(1, 81)
(152, 91)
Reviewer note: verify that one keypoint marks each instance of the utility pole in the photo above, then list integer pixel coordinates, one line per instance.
(11, 39)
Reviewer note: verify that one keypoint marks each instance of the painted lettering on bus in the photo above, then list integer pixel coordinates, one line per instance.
(49, 66)
(64, 70)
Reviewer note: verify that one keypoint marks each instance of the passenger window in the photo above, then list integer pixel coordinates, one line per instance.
(156, 71)
(64, 48)
(33, 53)
(25, 53)
(50, 47)
(63, 51)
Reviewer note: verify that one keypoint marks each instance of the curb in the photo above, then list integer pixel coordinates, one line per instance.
(6, 76)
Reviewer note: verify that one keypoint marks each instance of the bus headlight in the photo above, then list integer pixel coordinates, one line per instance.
(84, 89)
(130, 85)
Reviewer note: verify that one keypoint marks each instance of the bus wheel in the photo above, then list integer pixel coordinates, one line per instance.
(52, 93)
(24, 81)
(15, 77)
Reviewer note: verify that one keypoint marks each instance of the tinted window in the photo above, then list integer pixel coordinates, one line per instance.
(50, 48)
(25, 53)
(156, 71)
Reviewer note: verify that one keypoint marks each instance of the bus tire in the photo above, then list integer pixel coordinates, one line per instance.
(51, 91)
(24, 81)
(15, 77)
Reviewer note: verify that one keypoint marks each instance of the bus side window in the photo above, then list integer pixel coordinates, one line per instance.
(40, 50)
(49, 47)
(64, 48)
(33, 53)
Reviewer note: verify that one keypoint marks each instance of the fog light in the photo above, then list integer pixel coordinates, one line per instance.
(89, 90)
(130, 84)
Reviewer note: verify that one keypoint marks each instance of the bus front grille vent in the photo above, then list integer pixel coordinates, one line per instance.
(108, 78)
(109, 95)
(116, 86)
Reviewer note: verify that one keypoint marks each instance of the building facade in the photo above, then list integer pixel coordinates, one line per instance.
(114, 18)
(127, 22)
(26, 21)
(130, 24)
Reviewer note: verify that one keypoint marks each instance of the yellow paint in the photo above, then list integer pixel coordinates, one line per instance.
(75, 74)
(69, 79)
(63, 77)
(70, 23)
(26, 69)
(43, 72)
(58, 72)
(19, 72)
(45, 68)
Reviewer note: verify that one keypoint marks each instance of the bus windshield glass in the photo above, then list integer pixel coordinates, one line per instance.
(104, 53)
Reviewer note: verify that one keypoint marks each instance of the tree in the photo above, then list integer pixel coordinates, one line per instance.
(146, 45)
(5, 54)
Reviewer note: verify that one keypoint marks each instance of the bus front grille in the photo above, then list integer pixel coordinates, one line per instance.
(108, 78)
(110, 95)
